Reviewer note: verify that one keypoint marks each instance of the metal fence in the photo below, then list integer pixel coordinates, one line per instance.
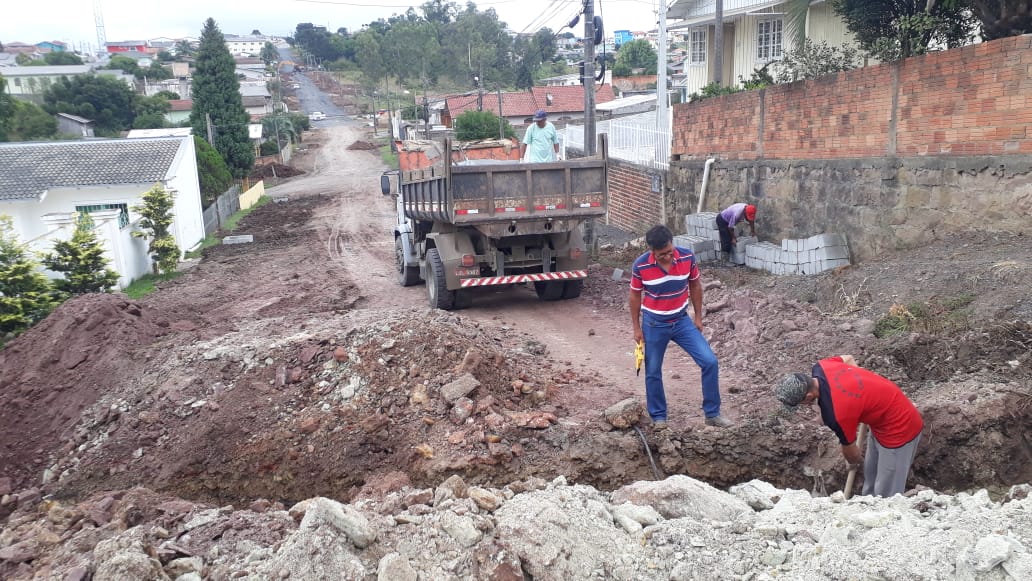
(225, 206)
(629, 141)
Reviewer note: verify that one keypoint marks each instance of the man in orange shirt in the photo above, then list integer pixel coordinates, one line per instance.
(848, 395)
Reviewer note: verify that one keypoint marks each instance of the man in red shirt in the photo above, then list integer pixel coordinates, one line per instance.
(663, 281)
(849, 395)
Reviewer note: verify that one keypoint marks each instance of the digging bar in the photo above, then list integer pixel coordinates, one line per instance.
(848, 490)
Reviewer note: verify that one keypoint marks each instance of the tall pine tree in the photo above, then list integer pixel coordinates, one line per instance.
(82, 262)
(26, 296)
(156, 221)
(216, 93)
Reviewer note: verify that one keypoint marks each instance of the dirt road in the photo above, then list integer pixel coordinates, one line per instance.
(296, 366)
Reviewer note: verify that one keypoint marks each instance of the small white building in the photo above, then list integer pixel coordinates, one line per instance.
(44, 185)
(244, 45)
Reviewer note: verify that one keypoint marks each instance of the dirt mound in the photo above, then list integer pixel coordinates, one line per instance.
(62, 366)
(275, 170)
(360, 145)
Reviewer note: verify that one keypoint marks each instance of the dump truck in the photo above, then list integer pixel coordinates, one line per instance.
(472, 215)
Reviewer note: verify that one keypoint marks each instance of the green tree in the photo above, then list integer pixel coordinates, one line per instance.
(30, 122)
(183, 49)
(155, 72)
(212, 172)
(124, 64)
(216, 95)
(81, 260)
(165, 56)
(6, 110)
(62, 58)
(1002, 18)
(637, 54)
(150, 112)
(892, 30)
(473, 125)
(106, 101)
(26, 296)
(22, 59)
(156, 222)
(269, 53)
(811, 60)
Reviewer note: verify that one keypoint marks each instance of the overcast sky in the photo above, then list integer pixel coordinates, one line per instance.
(73, 21)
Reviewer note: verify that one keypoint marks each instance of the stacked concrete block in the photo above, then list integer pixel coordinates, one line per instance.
(738, 252)
(704, 225)
(803, 256)
(762, 256)
(701, 247)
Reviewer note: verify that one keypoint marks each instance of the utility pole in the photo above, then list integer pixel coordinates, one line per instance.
(589, 77)
(211, 137)
(662, 96)
(718, 45)
(501, 116)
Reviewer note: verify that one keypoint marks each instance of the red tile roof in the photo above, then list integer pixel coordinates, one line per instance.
(181, 104)
(525, 104)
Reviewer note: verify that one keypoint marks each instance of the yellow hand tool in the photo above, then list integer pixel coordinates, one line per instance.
(639, 357)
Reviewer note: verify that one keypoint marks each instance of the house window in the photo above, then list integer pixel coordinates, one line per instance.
(768, 40)
(17, 82)
(697, 47)
(123, 214)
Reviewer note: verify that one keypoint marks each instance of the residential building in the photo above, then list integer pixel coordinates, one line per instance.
(68, 124)
(15, 47)
(561, 103)
(180, 111)
(140, 46)
(52, 46)
(621, 37)
(29, 83)
(756, 33)
(256, 99)
(45, 185)
(244, 45)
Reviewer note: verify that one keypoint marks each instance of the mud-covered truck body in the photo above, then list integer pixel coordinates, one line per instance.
(473, 215)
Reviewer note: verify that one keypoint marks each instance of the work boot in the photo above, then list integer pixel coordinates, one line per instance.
(659, 425)
(719, 422)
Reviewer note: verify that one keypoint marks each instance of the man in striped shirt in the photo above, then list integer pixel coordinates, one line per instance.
(663, 281)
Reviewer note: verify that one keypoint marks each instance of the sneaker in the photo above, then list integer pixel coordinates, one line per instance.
(659, 425)
(719, 422)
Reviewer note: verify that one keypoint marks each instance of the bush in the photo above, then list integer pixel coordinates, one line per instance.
(26, 296)
(473, 125)
(269, 147)
(812, 60)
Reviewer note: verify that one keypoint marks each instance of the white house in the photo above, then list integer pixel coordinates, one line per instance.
(44, 185)
(244, 45)
(756, 32)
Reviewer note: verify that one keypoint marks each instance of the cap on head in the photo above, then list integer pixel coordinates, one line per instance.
(540, 115)
(792, 389)
(750, 212)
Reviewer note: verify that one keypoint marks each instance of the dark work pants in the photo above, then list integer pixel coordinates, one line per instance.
(725, 234)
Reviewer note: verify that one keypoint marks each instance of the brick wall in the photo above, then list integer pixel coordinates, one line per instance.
(892, 156)
(975, 100)
(633, 206)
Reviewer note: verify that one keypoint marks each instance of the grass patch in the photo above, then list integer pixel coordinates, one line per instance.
(936, 315)
(145, 285)
(229, 226)
(390, 159)
(231, 223)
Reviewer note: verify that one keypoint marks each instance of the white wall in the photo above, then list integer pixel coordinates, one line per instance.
(182, 177)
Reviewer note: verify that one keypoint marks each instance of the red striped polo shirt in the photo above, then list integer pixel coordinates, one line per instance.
(664, 293)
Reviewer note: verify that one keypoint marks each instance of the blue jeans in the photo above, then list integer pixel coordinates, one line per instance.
(683, 332)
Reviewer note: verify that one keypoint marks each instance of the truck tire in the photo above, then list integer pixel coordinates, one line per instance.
(572, 288)
(551, 290)
(407, 275)
(437, 284)
(463, 299)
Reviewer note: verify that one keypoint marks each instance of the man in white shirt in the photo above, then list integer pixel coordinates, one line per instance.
(541, 139)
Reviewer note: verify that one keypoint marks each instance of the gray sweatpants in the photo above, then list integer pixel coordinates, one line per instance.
(886, 469)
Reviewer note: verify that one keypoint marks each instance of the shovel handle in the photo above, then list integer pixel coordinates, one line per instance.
(848, 490)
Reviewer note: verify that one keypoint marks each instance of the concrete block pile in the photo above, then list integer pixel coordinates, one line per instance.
(799, 256)
(702, 248)
(703, 225)
(793, 256)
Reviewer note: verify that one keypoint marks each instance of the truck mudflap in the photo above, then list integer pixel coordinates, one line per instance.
(518, 278)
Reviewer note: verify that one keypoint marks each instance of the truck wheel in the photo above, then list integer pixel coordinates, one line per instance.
(463, 299)
(550, 290)
(407, 275)
(572, 288)
(437, 284)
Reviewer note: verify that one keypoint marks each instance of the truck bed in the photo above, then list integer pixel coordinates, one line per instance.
(488, 192)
